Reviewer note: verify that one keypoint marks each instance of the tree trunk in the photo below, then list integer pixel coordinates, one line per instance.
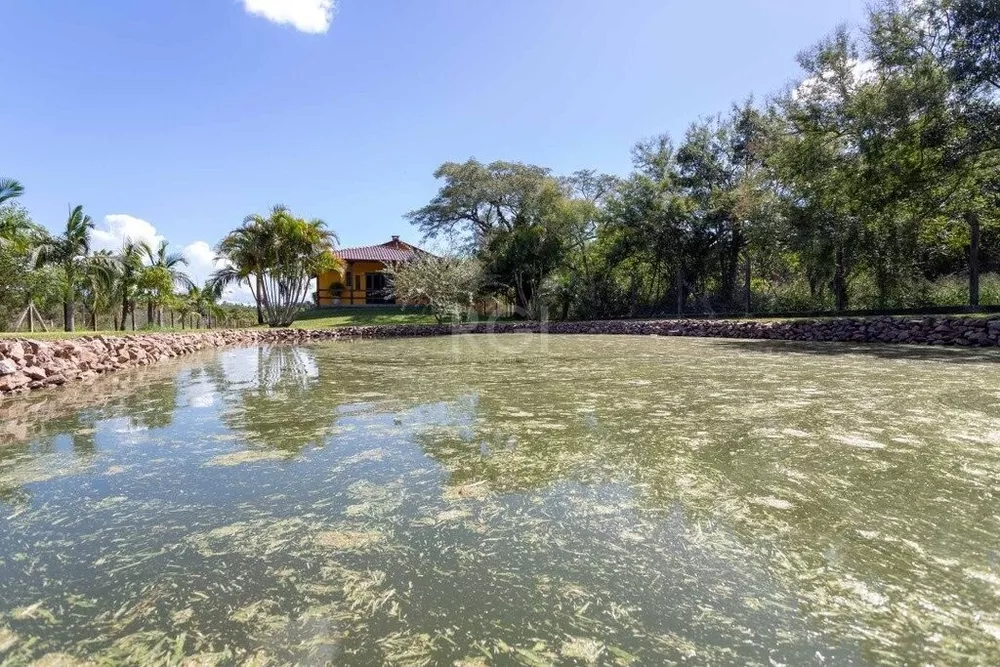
(93, 320)
(731, 269)
(133, 319)
(124, 311)
(68, 315)
(171, 319)
(840, 290)
(973, 220)
(31, 315)
(679, 282)
(746, 284)
(260, 310)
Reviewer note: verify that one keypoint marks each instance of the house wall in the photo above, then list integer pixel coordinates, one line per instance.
(353, 294)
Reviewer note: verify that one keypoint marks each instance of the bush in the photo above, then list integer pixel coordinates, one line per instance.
(954, 290)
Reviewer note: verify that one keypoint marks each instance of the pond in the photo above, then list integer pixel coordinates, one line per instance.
(517, 499)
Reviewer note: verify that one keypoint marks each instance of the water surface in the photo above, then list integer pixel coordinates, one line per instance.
(512, 500)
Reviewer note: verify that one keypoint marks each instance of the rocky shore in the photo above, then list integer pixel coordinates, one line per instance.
(33, 364)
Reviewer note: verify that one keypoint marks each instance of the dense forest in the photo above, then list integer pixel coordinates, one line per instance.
(871, 182)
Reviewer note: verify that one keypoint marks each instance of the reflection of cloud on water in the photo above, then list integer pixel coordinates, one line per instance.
(204, 399)
(197, 390)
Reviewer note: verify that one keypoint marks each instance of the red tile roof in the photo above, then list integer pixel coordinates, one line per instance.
(393, 251)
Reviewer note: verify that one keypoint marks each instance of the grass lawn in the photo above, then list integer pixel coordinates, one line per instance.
(344, 317)
(310, 319)
(80, 333)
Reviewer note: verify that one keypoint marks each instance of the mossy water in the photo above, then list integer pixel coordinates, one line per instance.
(510, 500)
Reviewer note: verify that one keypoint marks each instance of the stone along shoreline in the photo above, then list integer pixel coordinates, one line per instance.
(34, 364)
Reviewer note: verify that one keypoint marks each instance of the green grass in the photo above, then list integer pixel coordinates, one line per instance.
(312, 319)
(325, 318)
(80, 333)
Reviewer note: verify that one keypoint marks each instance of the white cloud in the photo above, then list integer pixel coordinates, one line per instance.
(119, 227)
(199, 255)
(311, 16)
(201, 263)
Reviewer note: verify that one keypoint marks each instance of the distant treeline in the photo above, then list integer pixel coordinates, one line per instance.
(870, 183)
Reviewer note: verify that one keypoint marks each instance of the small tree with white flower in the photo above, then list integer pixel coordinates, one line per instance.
(448, 286)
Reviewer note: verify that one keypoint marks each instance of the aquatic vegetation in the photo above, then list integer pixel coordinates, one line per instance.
(479, 501)
(250, 456)
(348, 539)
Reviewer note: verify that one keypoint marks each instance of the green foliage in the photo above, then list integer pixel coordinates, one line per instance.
(70, 251)
(864, 185)
(53, 276)
(10, 189)
(506, 213)
(872, 182)
(278, 255)
(448, 286)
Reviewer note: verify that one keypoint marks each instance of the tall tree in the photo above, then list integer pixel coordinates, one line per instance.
(161, 275)
(128, 282)
(97, 285)
(721, 168)
(942, 60)
(506, 213)
(70, 250)
(821, 163)
(283, 254)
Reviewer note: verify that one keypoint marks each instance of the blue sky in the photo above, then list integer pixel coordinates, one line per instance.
(178, 117)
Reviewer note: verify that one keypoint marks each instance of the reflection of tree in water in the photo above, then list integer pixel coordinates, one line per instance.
(281, 403)
(851, 492)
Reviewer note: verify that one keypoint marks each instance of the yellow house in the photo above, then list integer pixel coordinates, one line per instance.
(361, 280)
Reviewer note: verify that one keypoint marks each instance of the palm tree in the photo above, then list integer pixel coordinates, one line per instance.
(70, 251)
(244, 252)
(130, 268)
(160, 277)
(209, 305)
(182, 303)
(21, 240)
(18, 231)
(10, 189)
(281, 253)
(97, 284)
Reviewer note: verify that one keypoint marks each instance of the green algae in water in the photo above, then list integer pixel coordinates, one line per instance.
(513, 500)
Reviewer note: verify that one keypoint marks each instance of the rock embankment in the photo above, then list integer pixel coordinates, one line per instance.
(961, 331)
(32, 364)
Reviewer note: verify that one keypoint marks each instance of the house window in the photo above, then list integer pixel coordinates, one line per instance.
(357, 283)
